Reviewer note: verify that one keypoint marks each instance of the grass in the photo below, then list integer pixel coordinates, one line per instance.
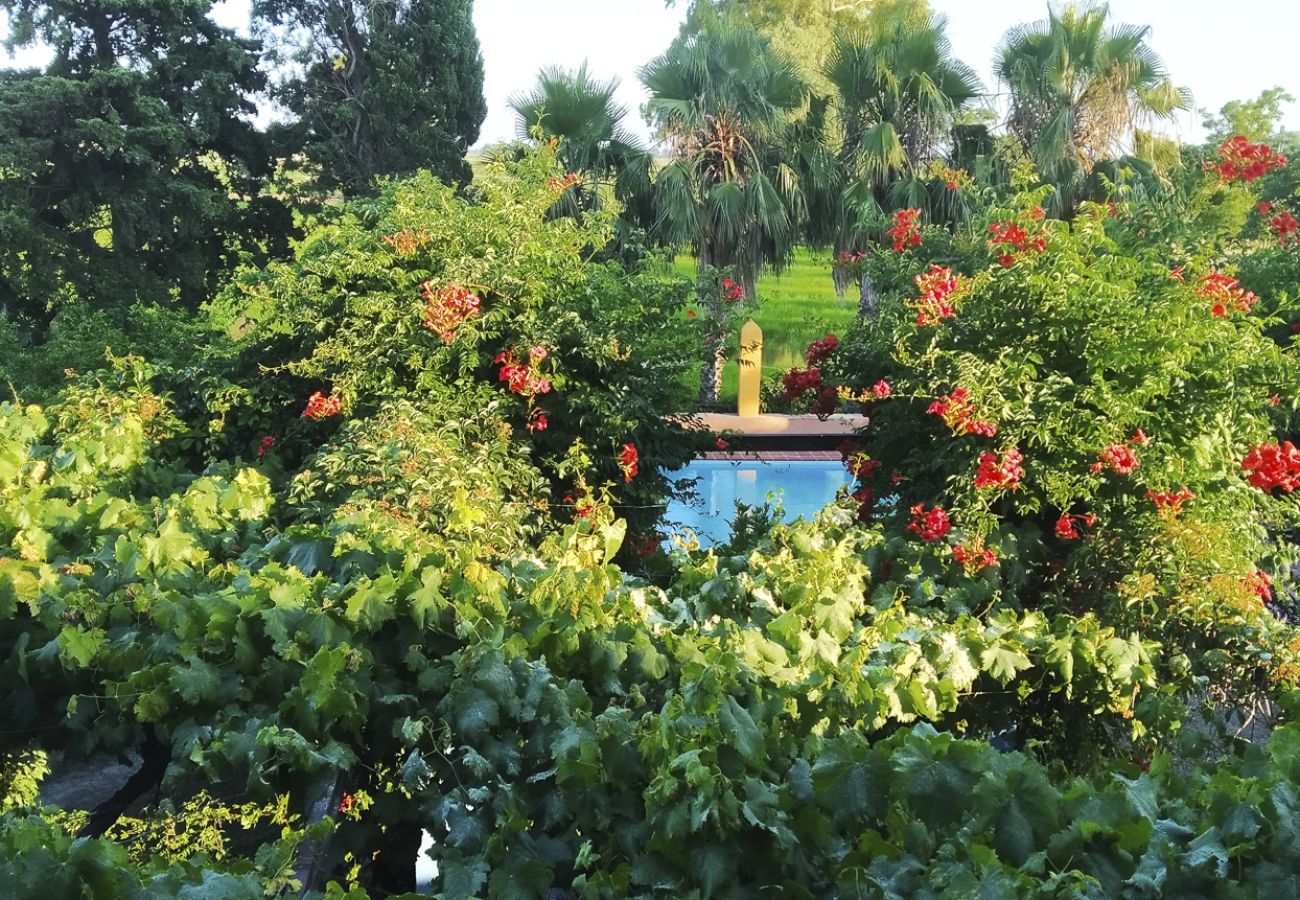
(794, 309)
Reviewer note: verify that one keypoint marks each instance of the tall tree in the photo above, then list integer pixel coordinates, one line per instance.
(1080, 89)
(725, 102)
(128, 168)
(898, 91)
(582, 113)
(378, 87)
(1259, 119)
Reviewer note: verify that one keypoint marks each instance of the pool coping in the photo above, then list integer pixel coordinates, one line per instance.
(773, 456)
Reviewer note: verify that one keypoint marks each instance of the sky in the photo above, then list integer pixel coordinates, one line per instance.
(1219, 50)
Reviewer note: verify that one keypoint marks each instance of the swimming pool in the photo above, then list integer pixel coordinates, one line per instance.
(803, 489)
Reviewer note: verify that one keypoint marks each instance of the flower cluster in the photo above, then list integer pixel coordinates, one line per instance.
(1000, 472)
(930, 525)
(537, 421)
(798, 382)
(1239, 159)
(1120, 458)
(1010, 238)
(1260, 584)
(404, 243)
(861, 466)
(628, 461)
(560, 185)
(937, 286)
(266, 446)
(1285, 227)
(1227, 293)
(1273, 467)
(958, 413)
(865, 500)
(819, 351)
(1067, 526)
(445, 309)
(974, 557)
(905, 232)
(320, 407)
(850, 262)
(583, 506)
(523, 378)
(732, 291)
(1171, 500)
(953, 179)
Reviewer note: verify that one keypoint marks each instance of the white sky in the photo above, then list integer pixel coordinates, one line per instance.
(1221, 49)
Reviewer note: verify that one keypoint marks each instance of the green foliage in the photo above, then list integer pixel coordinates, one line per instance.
(21, 773)
(345, 317)
(128, 171)
(580, 112)
(1079, 87)
(1259, 119)
(378, 88)
(1070, 351)
(554, 723)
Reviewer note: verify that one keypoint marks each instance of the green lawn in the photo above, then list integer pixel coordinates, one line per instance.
(794, 309)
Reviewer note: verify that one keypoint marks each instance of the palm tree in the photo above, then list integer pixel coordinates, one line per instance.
(725, 103)
(897, 92)
(1080, 90)
(583, 114)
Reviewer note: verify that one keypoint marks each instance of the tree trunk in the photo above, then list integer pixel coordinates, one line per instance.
(868, 299)
(715, 358)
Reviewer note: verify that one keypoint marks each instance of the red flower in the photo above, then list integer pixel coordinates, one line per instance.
(958, 414)
(881, 389)
(818, 351)
(929, 525)
(1004, 472)
(1285, 226)
(1239, 159)
(905, 232)
(347, 803)
(1264, 208)
(862, 466)
(1120, 458)
(445, 309)
(1261, 584)
(1226, 292)
(690, 314)
(522, 378)
(1065, 528)
(1010, 236)
(937, 286)
(1176, 273)
(1275, 400)
(721, 444)
(267, 445)
(404, 243)
(798, 382)
(320, 407)
(864, 498)
(1273, 467)
(1139, 437)
(731, 291)
(628, 462)
(974, 557)
(1171, 500)
(538, 421)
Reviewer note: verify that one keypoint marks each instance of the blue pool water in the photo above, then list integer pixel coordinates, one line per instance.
(802, 488)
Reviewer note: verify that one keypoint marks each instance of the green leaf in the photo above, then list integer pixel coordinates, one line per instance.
(1003, 662)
